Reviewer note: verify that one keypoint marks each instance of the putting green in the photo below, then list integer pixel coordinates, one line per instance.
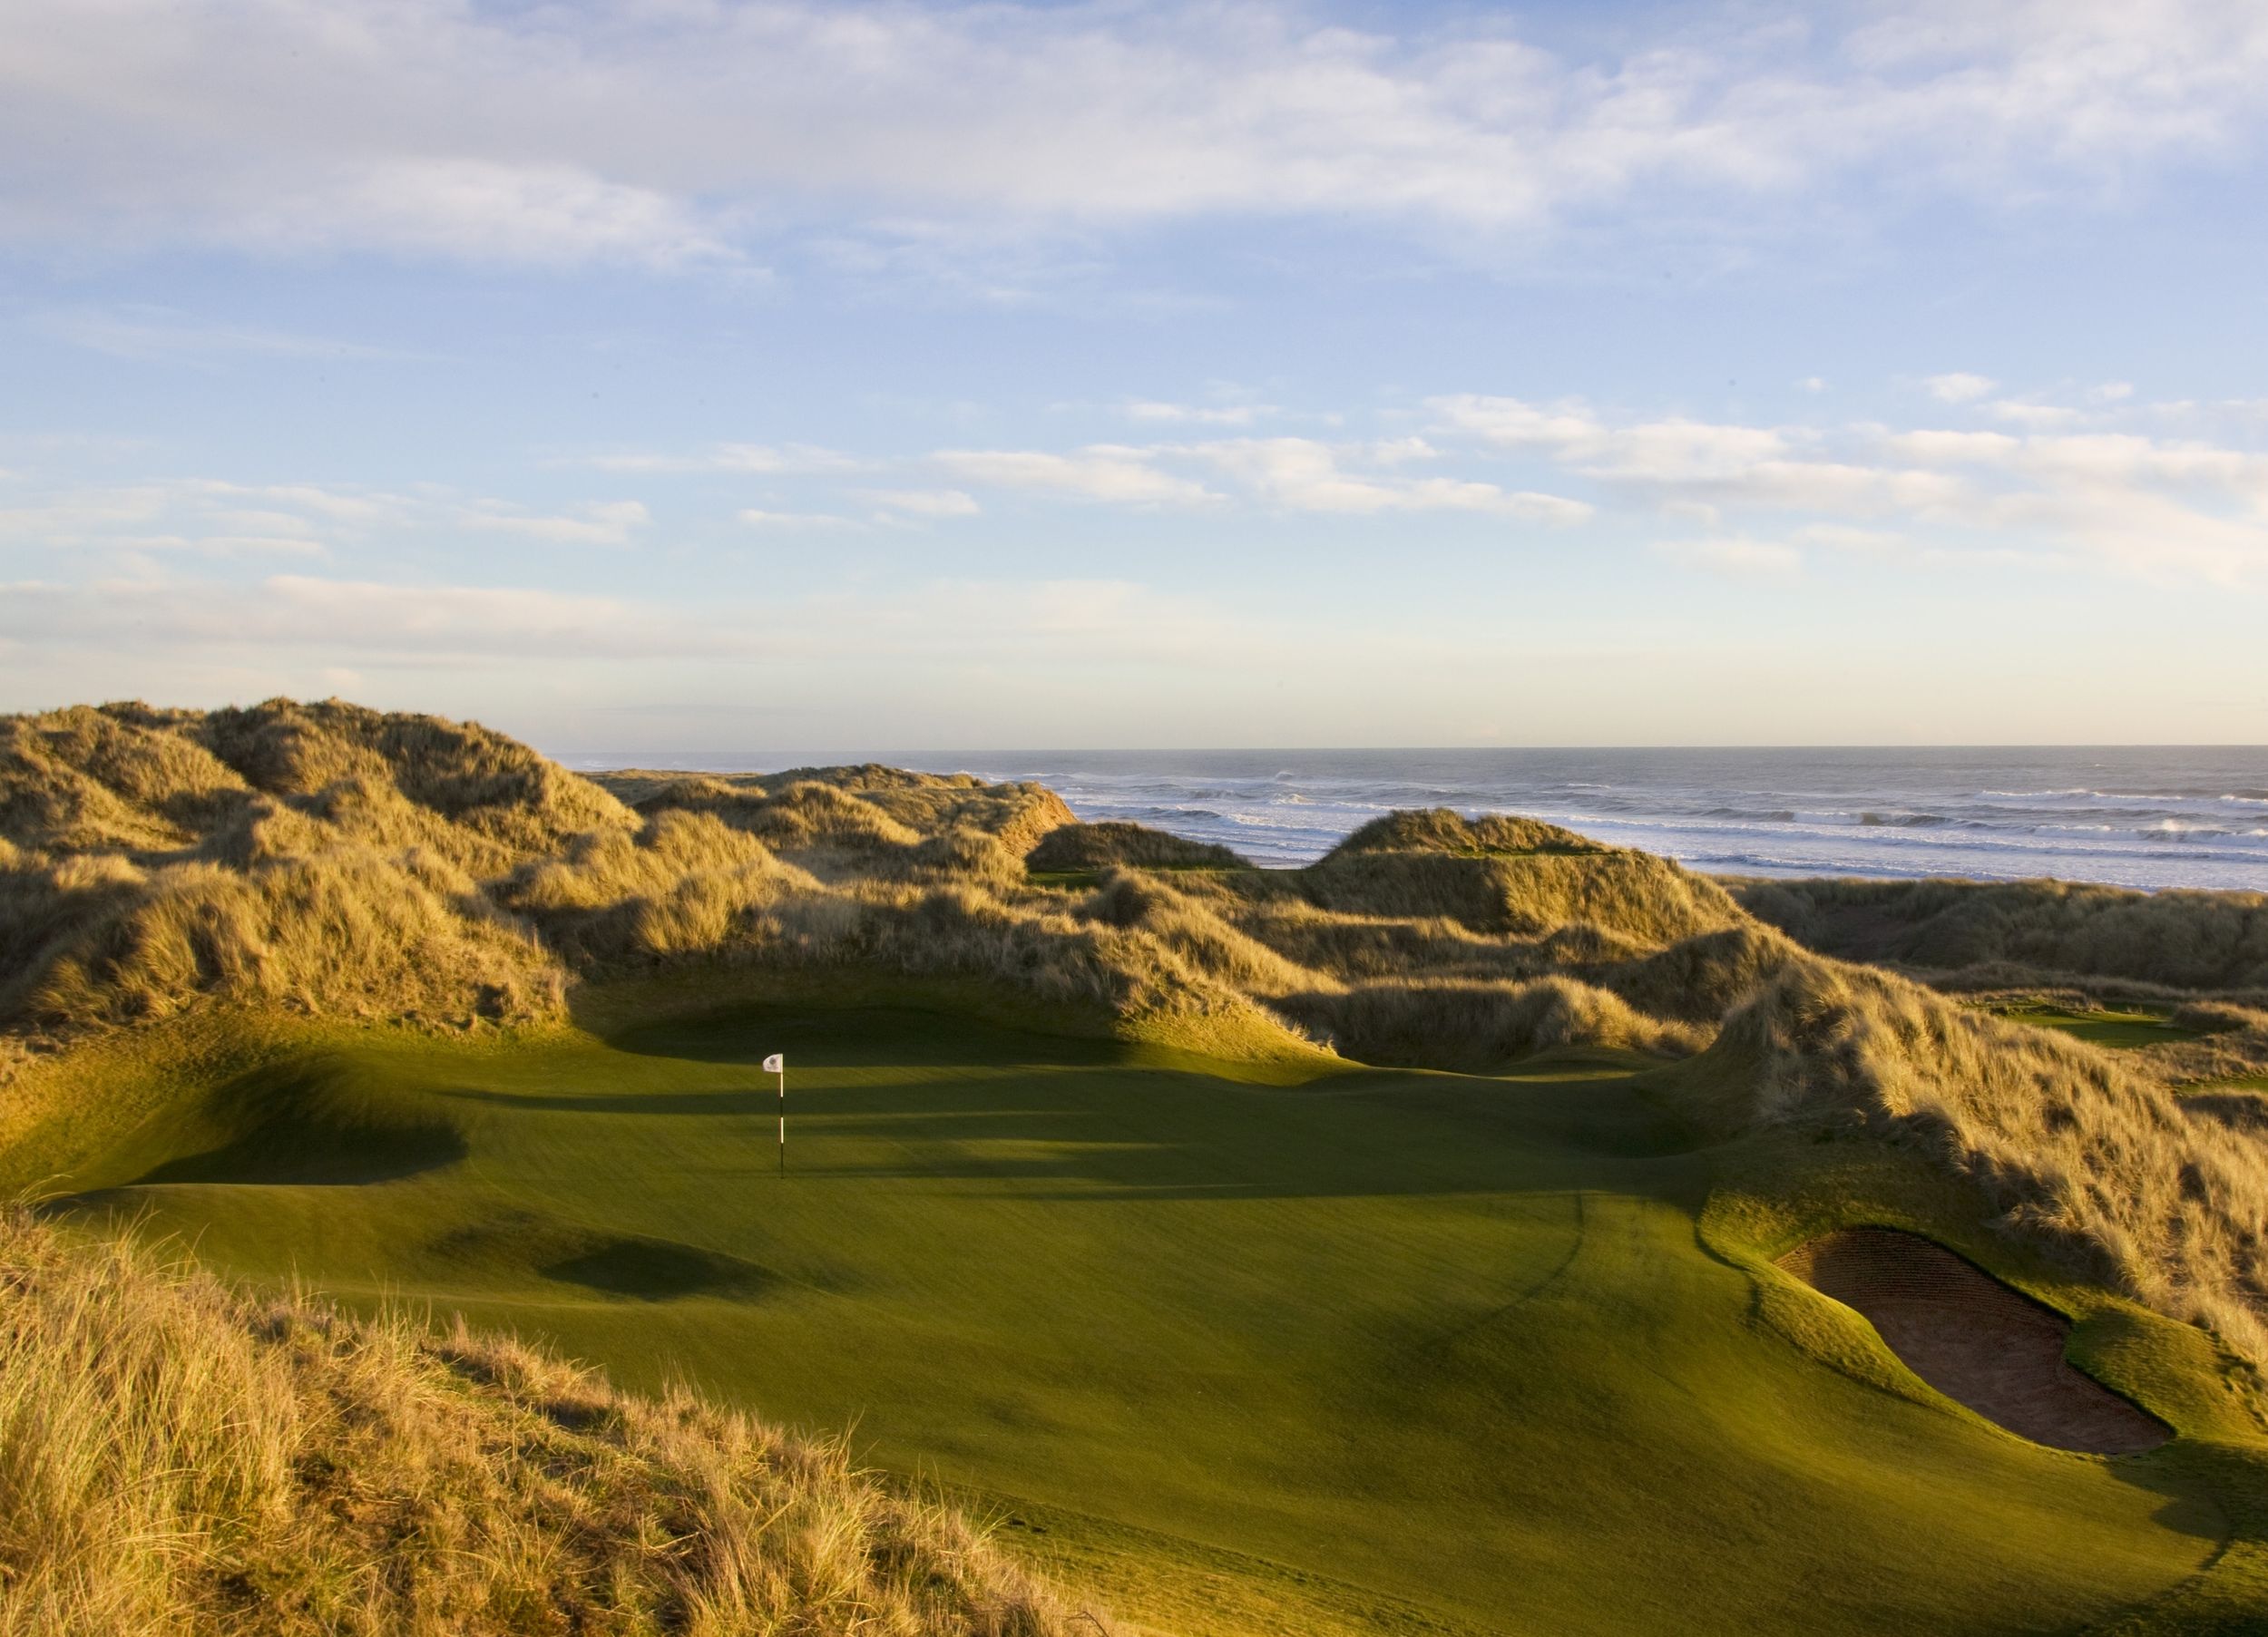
(1383, 1350)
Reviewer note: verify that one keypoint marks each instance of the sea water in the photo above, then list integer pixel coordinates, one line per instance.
(2137, 817)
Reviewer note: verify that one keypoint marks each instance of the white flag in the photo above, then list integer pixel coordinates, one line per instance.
(775, 1064)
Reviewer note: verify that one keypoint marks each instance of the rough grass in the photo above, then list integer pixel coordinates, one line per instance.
(178, 1457)
(2068, 1150)
(1076, 847)
(1444, 1023)
(1999, 934)
(331, 860)
(1441, 829)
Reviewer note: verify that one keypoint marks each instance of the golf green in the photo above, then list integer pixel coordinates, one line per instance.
(1379, 1350)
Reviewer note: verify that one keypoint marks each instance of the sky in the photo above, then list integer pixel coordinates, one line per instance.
(672, 375)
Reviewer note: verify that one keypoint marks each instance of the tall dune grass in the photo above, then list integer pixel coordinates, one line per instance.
(2003, 933)
(178, 1457)
(2071, 1152)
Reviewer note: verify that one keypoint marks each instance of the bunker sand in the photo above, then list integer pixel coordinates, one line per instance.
(1973, 1339)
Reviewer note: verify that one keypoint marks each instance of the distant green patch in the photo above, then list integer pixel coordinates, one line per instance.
(2123, 1029)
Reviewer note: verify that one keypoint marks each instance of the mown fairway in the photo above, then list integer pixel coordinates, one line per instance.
(1382, 1350)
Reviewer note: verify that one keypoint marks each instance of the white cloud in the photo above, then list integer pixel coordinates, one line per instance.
(147, 334)
(1959, 387)
(1664, 451)
(1738, 556)
(260, 545)
(363, 623)
(2020, 412)
(755, 458)
(291, 612)
(602, 524)
(655, 135)
(925, 502)
(1304, 475)
(1299, 474)
(1102, 472)
(756, 518)
(1845, 537)
(2164, 508)
(232, 518)
(1202, 414)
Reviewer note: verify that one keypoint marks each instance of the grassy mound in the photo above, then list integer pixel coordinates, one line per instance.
(177, 1456)
(2065, 1148)
(1999, 934)
(336, 861)
(1076, 847)
(1440, 830)
(1020, 814)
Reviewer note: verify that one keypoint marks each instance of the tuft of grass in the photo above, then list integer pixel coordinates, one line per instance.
(176, 1456)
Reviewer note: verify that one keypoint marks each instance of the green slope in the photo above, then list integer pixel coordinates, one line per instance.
(1382, 1350)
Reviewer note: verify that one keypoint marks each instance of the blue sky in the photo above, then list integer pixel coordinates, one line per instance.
(672, 375)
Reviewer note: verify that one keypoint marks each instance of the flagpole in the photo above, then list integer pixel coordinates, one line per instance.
(776, 1064)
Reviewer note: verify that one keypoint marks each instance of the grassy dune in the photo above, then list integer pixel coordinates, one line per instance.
(2178, 979)
(1117, 1233)
(1998, 933)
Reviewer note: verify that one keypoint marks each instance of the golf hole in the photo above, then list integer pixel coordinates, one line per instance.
(1973, 1339)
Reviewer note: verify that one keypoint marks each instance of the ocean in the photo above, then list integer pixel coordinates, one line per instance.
(2137, 816)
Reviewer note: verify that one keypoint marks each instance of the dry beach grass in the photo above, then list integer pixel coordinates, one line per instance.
(178, 1457)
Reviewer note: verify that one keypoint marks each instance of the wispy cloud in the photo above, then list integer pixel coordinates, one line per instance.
(164, 334)
(2168, 509)
(1959, 387)
(602, 524)
(1736, 555)
(1303, 474)
(1102, 471)
(757, 517)
(1198, 414)
(786, 458)
(657, 136)
(370, 622)
(925, 502)
(223, 518)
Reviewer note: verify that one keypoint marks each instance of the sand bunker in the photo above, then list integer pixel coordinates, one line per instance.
(1973, 1339)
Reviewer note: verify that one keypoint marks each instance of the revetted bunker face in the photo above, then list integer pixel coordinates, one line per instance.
(1973, 1339)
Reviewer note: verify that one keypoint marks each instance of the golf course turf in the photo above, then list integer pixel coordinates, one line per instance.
(1373, 1350)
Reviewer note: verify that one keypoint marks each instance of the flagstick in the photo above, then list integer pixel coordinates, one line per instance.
(783, 1119)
